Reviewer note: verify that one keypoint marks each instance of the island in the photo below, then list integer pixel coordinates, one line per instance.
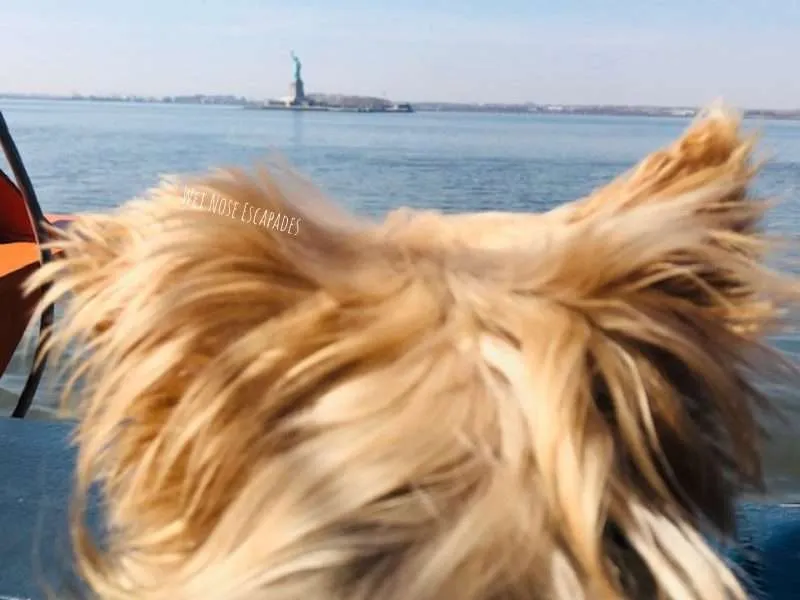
(298, 100)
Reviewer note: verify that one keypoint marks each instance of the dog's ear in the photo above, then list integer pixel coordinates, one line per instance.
(216, 245)
(172, 303)
(665, 266)
(712, 152)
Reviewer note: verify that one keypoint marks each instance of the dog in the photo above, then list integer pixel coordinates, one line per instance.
(483, 406)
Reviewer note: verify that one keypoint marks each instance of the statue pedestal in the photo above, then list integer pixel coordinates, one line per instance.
(297, 93)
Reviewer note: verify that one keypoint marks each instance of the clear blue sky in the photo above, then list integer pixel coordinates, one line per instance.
(561, 51)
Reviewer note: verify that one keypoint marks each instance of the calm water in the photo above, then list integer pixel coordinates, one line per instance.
(88, 156)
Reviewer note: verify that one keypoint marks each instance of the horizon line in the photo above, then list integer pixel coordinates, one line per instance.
(76, 95)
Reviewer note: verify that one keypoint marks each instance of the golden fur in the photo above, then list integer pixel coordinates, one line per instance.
(458, 407)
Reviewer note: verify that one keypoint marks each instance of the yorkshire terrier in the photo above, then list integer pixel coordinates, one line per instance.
(558, 406)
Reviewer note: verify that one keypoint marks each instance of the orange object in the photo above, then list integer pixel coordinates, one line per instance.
(21, 235)
(19, 257)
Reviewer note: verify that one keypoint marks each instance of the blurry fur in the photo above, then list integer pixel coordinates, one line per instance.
(473, 407)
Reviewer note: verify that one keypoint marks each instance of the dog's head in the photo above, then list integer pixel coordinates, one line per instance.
(469, 406)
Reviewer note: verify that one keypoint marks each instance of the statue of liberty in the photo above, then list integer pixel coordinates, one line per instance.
(297, 67)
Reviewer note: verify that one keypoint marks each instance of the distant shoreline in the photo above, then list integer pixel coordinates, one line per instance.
(528, 108)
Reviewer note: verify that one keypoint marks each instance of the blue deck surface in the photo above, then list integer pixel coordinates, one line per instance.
(35, 474)
(36, 470)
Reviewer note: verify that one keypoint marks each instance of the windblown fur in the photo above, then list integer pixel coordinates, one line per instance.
(464, 407)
